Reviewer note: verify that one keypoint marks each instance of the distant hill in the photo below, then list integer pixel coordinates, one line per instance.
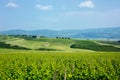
(109, 33)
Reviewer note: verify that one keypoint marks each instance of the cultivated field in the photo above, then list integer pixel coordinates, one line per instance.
(57, 59)
(22, 64)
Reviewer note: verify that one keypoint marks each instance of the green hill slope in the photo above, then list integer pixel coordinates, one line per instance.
(91, 45)
(52, 44)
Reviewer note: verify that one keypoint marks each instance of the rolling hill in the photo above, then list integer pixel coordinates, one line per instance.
(55, 44)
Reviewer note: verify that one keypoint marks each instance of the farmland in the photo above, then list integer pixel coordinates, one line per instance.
(54, 44)
(16, 64)
(53, 59)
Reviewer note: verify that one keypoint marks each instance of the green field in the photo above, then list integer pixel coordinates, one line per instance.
(54, 59)
(34, 65)
(54, 44)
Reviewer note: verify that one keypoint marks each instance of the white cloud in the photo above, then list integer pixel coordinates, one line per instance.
(11, 5)
(88, 4)
(42, 7)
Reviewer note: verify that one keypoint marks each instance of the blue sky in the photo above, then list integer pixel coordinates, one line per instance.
(59, 14)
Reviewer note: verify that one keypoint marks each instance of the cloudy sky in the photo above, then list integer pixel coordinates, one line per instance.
(58, 14)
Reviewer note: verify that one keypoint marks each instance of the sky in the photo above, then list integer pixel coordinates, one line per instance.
(58, 14)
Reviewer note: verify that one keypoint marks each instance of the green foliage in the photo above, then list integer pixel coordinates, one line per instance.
(110, 42)
(4, 45)
(86, 44)
(47, 49)
(27, 37)
(36, 65)
(62, 37)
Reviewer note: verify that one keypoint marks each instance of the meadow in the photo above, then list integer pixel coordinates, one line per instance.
(53, 59)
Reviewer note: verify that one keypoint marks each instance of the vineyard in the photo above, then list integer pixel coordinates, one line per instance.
(37, 65)
(92, 45)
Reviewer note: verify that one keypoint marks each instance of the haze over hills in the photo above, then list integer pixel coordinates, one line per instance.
(109, 33)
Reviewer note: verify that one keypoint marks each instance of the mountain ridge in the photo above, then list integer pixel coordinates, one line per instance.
(110, 33)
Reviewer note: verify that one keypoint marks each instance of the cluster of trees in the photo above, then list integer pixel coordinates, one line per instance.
(62, 37)
(23, 36)
(4, 45)
(47, 49)
(28, 36)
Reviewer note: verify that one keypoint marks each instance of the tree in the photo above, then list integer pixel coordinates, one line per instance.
(57, 37)
(118, 41)
(34, 36)
(68, 37)
(63, 38)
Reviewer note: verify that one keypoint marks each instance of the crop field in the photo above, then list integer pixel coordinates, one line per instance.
(58, 65)
(58, 59)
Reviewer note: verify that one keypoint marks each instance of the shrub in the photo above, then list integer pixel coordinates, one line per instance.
(4, 45)
(47, 49)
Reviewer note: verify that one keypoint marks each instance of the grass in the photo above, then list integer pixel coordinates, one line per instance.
(9, 46)
(40, 43)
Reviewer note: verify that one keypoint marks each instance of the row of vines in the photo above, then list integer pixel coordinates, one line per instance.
(60, 66)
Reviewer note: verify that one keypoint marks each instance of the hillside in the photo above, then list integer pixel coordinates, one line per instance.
(104, 33)
(53, 44)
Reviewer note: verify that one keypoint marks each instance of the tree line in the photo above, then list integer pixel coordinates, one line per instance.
(62, 37)
(28, 36)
